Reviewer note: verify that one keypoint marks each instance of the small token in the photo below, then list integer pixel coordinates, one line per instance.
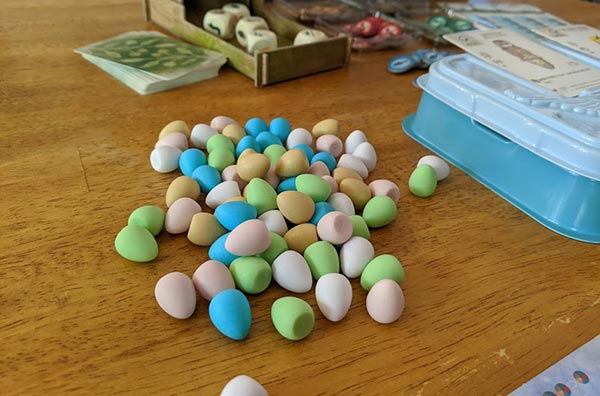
(204, 229)
(251, 274)
(220, 122)
(229, 311)
(322, 258)
(281, 128)
(381, 267)
(355, 254)
(301, 236)
(402, 63)
(150, 217)
(176, 295)
(385, 301)
(183, 186)
(190, 159)
(360, 227)
(232, 214)
(460, 25)
(248, 239)
(292, 317)
(261, 195)
(179, 215)
(175, 126)
(211, 278)
(277, 246)
(335, 227)
(136, 243)
(441, 168)
(207, 177)
(326, 127)
(200, 135)
(165, 159)
(291, 272)
(438, 21)
(423, 181)
(334, 296)
(295, 206)
(242, 385)
(379, 211)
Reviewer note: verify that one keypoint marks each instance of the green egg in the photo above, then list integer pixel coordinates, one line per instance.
(150, 217)
(314, 186)
(423, 181)
(379, 211)
(278, 246)
(219, 141)
(322, 258)
(293, 317)
(261, 195)
(251, 274)
(136, 243)
(220, 158)
(360, 227)
(381, 267)
(274, 152)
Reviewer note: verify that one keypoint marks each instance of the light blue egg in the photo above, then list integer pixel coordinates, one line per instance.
(325, 157)
(281, 128)
(266, 139)
(247, 142)
(288, 184)
(308, 151)
(232, 214)
(218, 252)
(190, 159)
(230, 313)
(254, 126)
(321, 209)
(207, 177)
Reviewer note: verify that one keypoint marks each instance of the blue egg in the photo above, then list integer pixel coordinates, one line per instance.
(230, 313)
(321, 209)
(288, 184)
(265, 139)
(218, 252)
(308, 151)
(190, 159)
(325, 157)
(254, 126)
(232, 214)
(280, 127)
(207, 177)
(247, 142)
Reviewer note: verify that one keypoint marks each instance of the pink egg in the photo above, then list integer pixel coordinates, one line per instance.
(385, 187)
(331, 181)
(249, 238)
(330, 143)
(174, 139)
(211, 278)
(335, 227)
(319, 168)
(385, 301)
(176, 295)
(230, 173)
(272, 178)
(220, 122)
(179, 215)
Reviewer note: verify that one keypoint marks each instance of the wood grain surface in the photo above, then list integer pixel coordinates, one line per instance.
(492, 297)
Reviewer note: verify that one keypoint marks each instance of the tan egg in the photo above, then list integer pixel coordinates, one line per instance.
(326, 127)
(332, 183)
(340, 174)
(183, 186)
(356, 164)
(246, 152)
(230, 173)
(175, 126)
(319, 168)
(252, 165)
(292, 163)
(358, 192)
(295, 206)
(331, 144)
(205, 229)
(234, 132)
(301, 236)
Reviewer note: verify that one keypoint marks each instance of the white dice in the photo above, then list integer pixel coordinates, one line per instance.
(309, 36)
(261, 40)
(247, 25)
(238, 9)
(220, 23)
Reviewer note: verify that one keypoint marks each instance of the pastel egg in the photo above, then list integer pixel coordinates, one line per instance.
(174, 126)
(295, 206)
(266, 139)
(334, 296)
(353, 140)
(179, 215)
(242, 385)
(217, 251)
(298, 136)
(165, 159)
(230, 173)
(292, 163)
(291, 272)
(229, 311)
(220, 122)
(150, 217)
(385, 301)
(175, 139)
(247, 142)
(219, 141)
(274, 152)
(274, 221)
(441, 168)
(183, 186)
(136, 243)
(207, 177)
(319, 168)
(321, 209)
(326, 127)
(190, 159)
(326, 158)
(280, 127)
(200, 135)
(356, 164)
(379, 211)
(211, 278)
(340, 174)
(261, 195)
(234, 132)
(292, 317)
(222, 192)
(277, 246)
(322, 258)
(232, 214)
(331, 144)
(360, 227)
(308, 151)
(385, 187)
(220, 158)
(301, 236)
(423, 181)
(355, 254)
(366, 152)
(255, 126)
(288, 184)
(176, 295)
(251, 274)
(358, 192)
(335, 227)
(204, 229)
(253, 165)
(249, 238)
(333, 185)
(314, 186)
(342, 203)
(384, 266)
(272, 178)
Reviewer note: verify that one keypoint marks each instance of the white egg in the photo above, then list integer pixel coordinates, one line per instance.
(334, 296)
(222, 192)
(200, 135)
(165, 159)
(385, 301)
(353, 140)
(242, 385)
(176, 295)
(441, 168)
(291, 271)
(356, 164)
(341, 202)
(274, 221)
(298, 136)
(355, 255)
(366, 152)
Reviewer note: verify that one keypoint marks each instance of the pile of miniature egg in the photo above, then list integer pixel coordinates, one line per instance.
(281, 211)
(251, 32)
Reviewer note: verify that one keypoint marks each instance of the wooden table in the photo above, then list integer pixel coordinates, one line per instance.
(493, 298)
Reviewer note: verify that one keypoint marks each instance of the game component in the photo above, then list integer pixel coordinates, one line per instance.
(402, 63)
(385, 301)
(219, 23)
(292, 317)
(260, 40)
(238, 9)
(136, 243)
(441, 168)
(211, 278)
(179, 215)
(291, 272)
(229, 311)
(244, 27)
(423, 181)
(175, 294)
(150, 217)
(438, 21)
(355, 254)
(334, 296)
(242, 385)
(205, 229)
(251, 274)
(322, 258)
(384, 266)
(307, 36)
(388, 29)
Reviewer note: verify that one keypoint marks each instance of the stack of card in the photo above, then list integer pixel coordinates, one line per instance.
(151, 62)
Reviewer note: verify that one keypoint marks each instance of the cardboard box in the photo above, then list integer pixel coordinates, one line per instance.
(183, 18)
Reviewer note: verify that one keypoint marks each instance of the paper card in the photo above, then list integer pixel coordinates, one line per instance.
(525, 58)
(578, 374)
(582, 38)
